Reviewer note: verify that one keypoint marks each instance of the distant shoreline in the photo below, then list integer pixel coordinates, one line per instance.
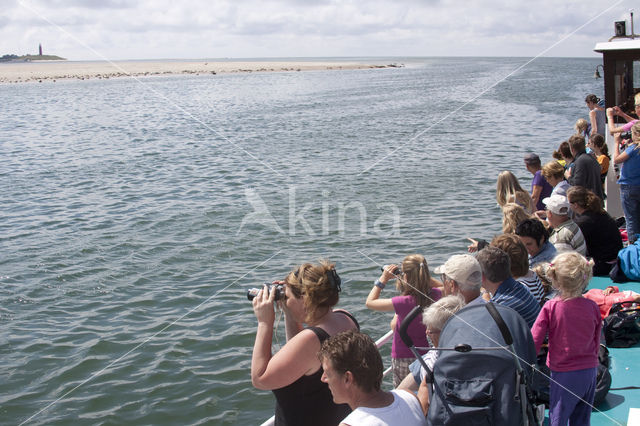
(43, 71)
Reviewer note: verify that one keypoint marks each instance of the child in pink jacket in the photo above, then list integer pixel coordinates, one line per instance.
(573, 324)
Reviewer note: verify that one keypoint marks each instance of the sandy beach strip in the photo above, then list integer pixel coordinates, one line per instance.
(41, 71)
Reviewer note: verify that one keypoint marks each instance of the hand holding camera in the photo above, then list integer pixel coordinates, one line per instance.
(277, 285)
(390, 272)
(263, 301)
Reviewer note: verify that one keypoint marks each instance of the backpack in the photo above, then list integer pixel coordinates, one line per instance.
(629, 260)
(603, 376)
(622, 326)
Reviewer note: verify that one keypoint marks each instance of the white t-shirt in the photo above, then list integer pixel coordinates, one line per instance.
(405, 410)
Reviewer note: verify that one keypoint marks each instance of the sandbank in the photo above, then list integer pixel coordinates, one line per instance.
(41, 71)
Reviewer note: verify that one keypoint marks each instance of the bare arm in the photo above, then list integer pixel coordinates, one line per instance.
(535, 195)
(373, 299)
(620, 113)
(408, 384)
(594, 122)
(296, 358)
(619, 157)
(612, 125)
(423, 396)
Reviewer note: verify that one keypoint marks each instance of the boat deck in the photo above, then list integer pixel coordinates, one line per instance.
(621, 407)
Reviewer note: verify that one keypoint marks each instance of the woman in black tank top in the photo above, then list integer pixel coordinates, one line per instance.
(293, 373)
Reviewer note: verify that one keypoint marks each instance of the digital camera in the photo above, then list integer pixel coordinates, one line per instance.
(279, 289)
(397, 271)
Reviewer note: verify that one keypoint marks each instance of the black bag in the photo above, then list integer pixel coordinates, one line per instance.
(616, 274)
(603, 376)
(622, 326)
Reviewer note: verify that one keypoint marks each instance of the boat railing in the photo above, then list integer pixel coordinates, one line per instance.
(379, 343)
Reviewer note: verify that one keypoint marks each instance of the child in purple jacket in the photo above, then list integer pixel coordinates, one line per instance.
(573, 324)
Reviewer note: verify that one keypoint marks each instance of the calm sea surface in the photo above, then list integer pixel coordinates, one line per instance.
(135, 214)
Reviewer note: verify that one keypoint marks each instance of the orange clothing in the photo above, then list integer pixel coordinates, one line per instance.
(603, 160)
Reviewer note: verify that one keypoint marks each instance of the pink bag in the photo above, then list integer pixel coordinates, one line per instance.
(605, 302)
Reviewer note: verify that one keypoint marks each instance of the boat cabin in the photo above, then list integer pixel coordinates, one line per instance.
(621, 68)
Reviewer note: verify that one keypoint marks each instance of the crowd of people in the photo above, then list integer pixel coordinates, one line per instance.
(554, 238)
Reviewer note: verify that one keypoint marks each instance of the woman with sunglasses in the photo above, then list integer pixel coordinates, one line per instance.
(414, 283)
(294, 372)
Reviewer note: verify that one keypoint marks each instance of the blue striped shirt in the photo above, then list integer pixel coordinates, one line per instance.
(519, 298)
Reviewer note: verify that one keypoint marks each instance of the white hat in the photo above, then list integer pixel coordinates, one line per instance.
(557, 204)
(463, 269)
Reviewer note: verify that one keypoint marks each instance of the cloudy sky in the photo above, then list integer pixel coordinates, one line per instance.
(154, 29)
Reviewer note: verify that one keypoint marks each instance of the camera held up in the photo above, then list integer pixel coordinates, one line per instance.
(279, 289)
(397, 271)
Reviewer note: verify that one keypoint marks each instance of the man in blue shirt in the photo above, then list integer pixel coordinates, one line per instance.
(504, 290)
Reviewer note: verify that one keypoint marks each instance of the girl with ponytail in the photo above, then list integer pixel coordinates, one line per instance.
(414, 283)
(573, 324)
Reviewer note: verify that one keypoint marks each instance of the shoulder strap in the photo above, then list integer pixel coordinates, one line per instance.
(320, 333)
(351, 317)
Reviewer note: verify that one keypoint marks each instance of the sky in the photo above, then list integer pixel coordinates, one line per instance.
(195, 29)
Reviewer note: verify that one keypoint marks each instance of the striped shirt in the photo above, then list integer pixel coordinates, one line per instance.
(518, 298)
(533, 284)
(568, 237)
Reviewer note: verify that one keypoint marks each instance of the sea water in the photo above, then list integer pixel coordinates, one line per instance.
(137, 212)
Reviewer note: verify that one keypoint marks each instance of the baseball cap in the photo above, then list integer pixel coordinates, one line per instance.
(557, 204)
(531, 159)
(462, 268)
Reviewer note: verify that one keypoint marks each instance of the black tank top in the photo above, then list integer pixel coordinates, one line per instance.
(308, 401)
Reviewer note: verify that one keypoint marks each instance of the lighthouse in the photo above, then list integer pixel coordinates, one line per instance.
(40, 49)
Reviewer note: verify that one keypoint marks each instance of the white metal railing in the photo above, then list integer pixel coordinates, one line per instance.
(379, 343)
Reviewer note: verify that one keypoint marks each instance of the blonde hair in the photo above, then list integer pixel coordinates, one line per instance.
(570, 273)
(416, 280)
(541, 271)
(635, 133)
(319, 285)
(512, 215)
(508, 190)
(553, 169)
(581, 125)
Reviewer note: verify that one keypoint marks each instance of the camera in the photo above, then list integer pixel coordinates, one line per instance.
(279, 289)
(397, 271)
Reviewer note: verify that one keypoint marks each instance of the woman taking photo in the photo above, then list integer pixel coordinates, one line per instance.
(293, 373)
(630, 181)
(414, 283)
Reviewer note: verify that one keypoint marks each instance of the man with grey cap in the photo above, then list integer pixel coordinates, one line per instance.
(566, 235)
(462, 275)
(540, 188)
